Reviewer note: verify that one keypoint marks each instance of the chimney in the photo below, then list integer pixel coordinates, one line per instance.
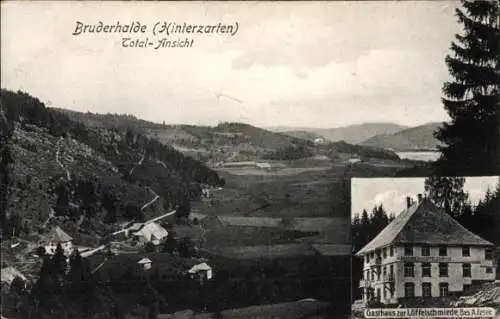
(409, 202)
(420, 197)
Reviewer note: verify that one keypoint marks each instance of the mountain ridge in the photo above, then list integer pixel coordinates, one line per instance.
(412, 139)
(353, 134)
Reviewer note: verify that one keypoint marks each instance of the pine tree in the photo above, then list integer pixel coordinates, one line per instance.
(447, 193)
(76, 272)
(472, 138)
(59, 262)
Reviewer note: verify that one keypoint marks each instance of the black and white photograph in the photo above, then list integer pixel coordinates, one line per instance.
(425, 242)
(200, 159)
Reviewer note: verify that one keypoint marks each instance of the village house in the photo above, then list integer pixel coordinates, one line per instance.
(423, 253)
(145, 263)
(202, 270)
(58, 236)
(149, 232)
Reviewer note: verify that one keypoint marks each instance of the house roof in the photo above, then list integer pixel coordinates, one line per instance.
(144, 261)
(136, 226)
(152, 231)
(199, 267)
(424, 223)
(9, 273)
(57, 235)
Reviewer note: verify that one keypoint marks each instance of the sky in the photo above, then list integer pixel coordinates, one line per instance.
(316, 64)
(392, 192)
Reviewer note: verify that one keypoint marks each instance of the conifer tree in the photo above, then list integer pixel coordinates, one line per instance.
(447, 193)
(59, 262)
(472, 138)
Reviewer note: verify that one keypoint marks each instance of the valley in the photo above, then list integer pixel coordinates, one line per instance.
(234, 198)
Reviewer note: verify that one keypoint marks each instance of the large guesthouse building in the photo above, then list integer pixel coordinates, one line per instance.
(423, 253)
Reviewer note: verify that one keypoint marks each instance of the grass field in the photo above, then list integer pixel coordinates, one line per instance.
(308, 192)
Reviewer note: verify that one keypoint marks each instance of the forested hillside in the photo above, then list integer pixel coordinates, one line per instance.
(226, 141)
(53, 163)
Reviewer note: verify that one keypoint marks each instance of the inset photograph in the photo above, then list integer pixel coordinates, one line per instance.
(425, 242)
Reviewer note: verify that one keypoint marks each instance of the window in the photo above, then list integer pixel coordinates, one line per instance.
(373, 275)
(391, 270)
(488, 254)
(391, 251)
(466, 271)
(426, 289)
(384, 252)
(384, 294)
(426, 251)
(443, 270)
(408, 251)
(367, 259)
(385, 271)
(489, 270)
(409, 271)
(466, 251)
(409, 290)
(443, 251)
(443, 289)
(426, 269)
(378, 273)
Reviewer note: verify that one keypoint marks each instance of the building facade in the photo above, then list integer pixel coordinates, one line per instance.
(424, 253)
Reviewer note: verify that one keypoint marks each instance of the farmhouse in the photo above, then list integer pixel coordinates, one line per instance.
(424, 253)
(58, 236)
(201, 270)
(150, 232)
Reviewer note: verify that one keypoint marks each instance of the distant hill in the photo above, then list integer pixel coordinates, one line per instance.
(415, 138)
(351, 134)
(224, 142)
(233, 142)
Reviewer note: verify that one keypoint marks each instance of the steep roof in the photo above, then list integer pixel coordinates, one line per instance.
(199, 267)
(57, 235)
(152, 231)
(144, 261)
(424, 223)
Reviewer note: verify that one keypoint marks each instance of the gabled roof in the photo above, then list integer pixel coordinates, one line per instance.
(57, 235)
(424, 223)
(152, 231)
(199, 267)
(144, 261)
